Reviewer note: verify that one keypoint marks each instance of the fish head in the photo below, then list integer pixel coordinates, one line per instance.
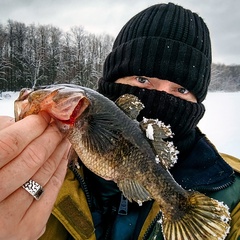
(64, 103)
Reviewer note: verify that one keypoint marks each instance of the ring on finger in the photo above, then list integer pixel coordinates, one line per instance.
(33, 188)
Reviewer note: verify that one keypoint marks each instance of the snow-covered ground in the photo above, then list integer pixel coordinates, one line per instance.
(221, 122)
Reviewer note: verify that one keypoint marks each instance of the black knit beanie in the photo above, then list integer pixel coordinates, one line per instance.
(164, 41)
(168, 42)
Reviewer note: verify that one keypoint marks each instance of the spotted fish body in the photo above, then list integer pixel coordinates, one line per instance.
(115, 147)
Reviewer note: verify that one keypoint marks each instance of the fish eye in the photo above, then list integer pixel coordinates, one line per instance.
(141, 79)
(183, 90)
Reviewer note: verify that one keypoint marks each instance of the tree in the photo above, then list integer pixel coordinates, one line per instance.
(39, 55)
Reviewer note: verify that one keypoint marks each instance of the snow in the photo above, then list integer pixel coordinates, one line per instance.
(149, 132)
(7, 103)
(220, 122)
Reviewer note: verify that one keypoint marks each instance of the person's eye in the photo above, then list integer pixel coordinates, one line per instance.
(183, 90)
(142, 79)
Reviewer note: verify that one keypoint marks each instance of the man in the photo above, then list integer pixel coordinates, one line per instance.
(163, 56)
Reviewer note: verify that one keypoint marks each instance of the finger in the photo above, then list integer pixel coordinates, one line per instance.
(13, 209)
(17, 204)
(42, 209)
(29, 161)
(47, 170)
(6, 121)
(16, 137)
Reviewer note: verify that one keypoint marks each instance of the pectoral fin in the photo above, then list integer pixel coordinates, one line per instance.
(132, 190)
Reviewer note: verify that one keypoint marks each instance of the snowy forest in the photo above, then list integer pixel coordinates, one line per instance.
(39, 55)
(43, 54)
(225, 78)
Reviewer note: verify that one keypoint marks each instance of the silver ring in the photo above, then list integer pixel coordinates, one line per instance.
(35, 189)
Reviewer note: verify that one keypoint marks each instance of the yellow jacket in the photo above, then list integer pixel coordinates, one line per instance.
(72, 215)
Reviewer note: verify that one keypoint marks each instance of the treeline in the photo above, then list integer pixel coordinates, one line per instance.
(38, 55)
(225, 78)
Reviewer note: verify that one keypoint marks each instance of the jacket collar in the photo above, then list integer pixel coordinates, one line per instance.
(203, 169)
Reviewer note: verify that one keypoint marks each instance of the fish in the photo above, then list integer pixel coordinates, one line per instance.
(136, 156)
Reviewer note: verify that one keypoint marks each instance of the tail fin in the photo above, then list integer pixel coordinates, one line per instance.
(206, 219)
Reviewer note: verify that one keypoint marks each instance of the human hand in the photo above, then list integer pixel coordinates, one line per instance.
(32, 148)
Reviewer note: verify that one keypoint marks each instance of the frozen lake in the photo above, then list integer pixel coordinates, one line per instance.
(221, 122)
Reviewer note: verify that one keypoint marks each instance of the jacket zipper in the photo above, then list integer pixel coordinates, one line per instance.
(82, 184)
(151, 226)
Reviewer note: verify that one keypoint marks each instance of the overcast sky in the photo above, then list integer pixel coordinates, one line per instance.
(108, 16)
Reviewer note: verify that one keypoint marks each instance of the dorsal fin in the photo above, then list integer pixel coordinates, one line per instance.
(156, 131)
(130, 104)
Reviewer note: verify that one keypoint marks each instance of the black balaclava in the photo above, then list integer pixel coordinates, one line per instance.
(168, 42)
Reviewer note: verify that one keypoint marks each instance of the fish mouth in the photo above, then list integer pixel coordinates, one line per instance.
(64, 104)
